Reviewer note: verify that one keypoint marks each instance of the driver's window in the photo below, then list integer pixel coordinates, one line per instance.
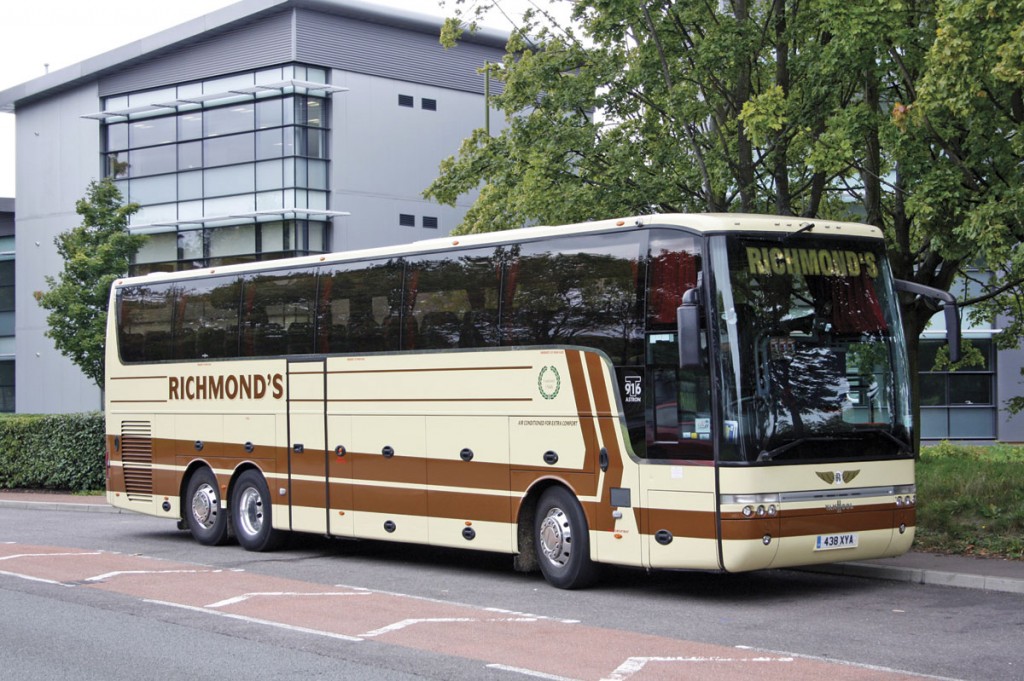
(678, 401)
(680, 416)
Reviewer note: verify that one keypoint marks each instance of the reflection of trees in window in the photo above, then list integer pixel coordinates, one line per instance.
(279, 313)
(585, 299)
(453, 301)
(361, 307)
(206, 323)
(145, 315)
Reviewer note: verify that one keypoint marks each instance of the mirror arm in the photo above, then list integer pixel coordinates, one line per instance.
(949, 308)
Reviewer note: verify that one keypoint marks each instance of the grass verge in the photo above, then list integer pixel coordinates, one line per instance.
(970, 500)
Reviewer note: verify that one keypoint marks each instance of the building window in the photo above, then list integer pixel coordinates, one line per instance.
(406, 100)
(6, 297)
(406, 220)
(958, 404)
(223, 148)
(429, 104)
(7, 386)
(197, 247)
(429, 222)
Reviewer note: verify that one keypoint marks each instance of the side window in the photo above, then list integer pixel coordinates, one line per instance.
(576, 291)
(360, 305)
(279, 313)
(452, 301)
(144, 322)
(206, 318)
(678, 401)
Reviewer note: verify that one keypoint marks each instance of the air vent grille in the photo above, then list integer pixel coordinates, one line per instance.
(137, 457)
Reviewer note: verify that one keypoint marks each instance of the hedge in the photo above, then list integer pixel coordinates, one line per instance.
(52, 451)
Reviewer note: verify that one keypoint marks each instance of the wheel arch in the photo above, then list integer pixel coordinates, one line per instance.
(526, 558)
(237, 473)
(190, 470)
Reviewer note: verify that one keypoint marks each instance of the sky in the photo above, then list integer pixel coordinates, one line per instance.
(52, 34)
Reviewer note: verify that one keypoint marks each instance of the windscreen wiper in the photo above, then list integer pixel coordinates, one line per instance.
(905, 447)
(768, 455)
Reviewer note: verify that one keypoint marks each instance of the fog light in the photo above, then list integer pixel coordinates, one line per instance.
(748, 511)
(899, 501)
(766, 540)
(760, 510)
(903, 528)
(772, 510)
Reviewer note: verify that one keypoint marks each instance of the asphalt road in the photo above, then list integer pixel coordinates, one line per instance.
(107, 596)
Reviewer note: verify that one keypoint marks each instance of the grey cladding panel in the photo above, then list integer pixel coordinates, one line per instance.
(265, 42)
(390, 52)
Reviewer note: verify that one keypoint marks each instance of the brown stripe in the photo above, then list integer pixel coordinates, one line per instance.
(390, 500)
(420, 502)
(306, 493)
(468, 474)
(378, 468)
(434, 399)
(459, 506)
(579, 383)
(598, 384)
(843, 522)
(696, 524)
(748, 529)
(420, 371)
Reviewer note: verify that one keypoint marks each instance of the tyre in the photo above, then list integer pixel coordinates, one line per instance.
(205, 518)
(251, 513)
(562, 540)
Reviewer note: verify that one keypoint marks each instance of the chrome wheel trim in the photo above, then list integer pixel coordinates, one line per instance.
(205, 506)
(250, 511)
(556, 537)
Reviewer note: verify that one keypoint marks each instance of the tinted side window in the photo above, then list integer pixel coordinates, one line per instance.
(145, 321)
(279, 313)
(578, 291)
(206, 318)
(452, 300)
(360, 307)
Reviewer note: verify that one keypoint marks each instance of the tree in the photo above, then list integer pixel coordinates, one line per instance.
(902, 113)
(95, 253)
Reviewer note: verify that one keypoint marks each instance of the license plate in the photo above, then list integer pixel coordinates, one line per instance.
(828, 542)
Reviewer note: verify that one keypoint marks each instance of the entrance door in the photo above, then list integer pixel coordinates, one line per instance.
(307, 445)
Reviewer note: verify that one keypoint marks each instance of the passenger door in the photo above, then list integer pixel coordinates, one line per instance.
(307, 445)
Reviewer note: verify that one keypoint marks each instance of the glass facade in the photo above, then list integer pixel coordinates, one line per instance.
(7, 303)
(960, 404)
(225, 170)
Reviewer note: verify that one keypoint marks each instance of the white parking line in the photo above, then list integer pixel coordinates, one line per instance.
(48, 555)
(34, 579)
(256, 620)
(260, 594)
(529, 672)
(439, 620)
(635, 664)
(122, 573)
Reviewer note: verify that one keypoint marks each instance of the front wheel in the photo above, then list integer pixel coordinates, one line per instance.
(562, 541)
(251, 513)
(206, 520)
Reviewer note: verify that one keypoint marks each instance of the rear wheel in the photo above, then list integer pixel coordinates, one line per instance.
(251, 513)
(206, 520)
(562, 540)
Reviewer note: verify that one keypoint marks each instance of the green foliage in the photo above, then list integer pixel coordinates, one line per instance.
(61, 452)
(971, 500)
(906, 114)
(95, 254)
